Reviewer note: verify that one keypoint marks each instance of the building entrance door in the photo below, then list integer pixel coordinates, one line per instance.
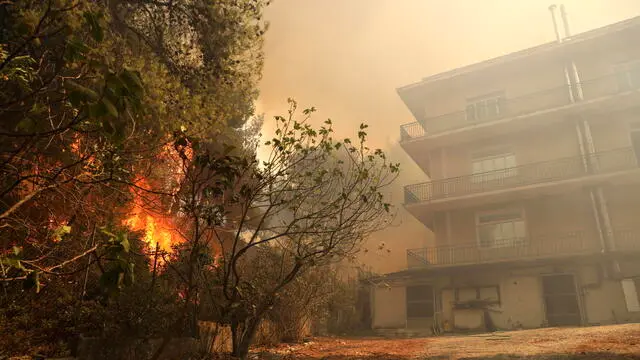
(561, 300)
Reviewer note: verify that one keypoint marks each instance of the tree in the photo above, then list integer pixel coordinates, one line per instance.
(91, 95)
(310, 203)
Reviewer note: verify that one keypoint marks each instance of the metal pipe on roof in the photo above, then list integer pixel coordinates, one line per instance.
(552, 9)
(565, 21)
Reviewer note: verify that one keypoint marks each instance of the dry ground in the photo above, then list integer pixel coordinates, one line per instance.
(587, 343)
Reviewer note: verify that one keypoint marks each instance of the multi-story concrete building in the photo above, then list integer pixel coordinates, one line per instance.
(533, 192)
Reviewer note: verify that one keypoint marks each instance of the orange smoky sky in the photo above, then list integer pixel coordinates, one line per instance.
(347, 57)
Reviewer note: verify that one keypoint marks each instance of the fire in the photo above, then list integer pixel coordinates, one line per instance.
(158, 228)
(147, 213)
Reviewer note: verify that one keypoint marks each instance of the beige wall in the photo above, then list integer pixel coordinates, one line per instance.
(529, 147)
(558, 216)
(611, 132)
(596, 59)
(389, 307)
(521, 302)
(623, 203)
(446, 100)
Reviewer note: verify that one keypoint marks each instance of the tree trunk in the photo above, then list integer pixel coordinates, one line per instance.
(243, 339)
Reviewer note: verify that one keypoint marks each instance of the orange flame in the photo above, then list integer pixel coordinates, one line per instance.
(159, 229)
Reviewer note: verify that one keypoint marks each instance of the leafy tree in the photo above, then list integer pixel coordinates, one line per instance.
(91, 95)
(310, 203)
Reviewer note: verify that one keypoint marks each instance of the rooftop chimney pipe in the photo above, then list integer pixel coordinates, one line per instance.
(565, 21)
(552, 9)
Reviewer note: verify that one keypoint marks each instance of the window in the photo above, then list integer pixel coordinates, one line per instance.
(485, 107)
(631, 296)
(487, 167)
(501, 229)
(419, 301)
(628, 76)
(485, 293)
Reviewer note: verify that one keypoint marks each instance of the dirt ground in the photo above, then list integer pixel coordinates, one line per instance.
(587, 343)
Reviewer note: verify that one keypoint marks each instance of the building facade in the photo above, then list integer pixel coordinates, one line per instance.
(533, 192)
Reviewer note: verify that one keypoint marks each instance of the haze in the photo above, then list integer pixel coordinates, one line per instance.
(348, 57)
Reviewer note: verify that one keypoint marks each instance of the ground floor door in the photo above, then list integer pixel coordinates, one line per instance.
(561, 300)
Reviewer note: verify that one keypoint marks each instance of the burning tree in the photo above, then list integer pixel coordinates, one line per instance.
(311, 202)
(91, 93)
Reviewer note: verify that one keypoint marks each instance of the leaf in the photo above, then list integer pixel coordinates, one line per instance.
(97, 32)
(132, 81)
(123, 240)
(76, 50)
(109, 107)
(60, 232)
(81, 92)
(12, 263)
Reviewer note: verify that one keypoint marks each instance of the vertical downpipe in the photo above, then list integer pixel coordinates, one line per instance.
(567, 76)
(585, 138)
(574, 69)
(602, 203)
(594, 204)
(599, 197)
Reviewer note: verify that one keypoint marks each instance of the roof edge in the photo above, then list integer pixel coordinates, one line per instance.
(575, 39)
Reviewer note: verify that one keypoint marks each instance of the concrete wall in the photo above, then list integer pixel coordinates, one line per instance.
(555, 216)
(446, 100)
(389, 307)
(600, 296)
(528, 148)
(520, 298)
(597, 58)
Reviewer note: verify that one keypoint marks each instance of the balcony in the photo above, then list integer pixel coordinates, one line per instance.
(542, 173)
(627, 240)
(535, 248)
(569, 244)
(537, 103)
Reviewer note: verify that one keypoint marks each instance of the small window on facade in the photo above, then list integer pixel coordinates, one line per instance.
(485, 107)
(498, 229)
(487, 167)
(485, 293)
(466, 294)
(631, 296)
(489, 293)
(419, 301)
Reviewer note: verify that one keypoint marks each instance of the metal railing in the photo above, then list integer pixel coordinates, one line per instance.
(574, 243)
(527, 104)
(523, 175)
(627, 240)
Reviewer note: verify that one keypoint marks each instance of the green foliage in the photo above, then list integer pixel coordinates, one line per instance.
(91, 96)
(308, 205)
(119, 271)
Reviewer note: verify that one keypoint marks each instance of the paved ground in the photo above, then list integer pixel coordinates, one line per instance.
(588, 343)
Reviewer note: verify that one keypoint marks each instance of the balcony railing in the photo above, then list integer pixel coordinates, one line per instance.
(524, 175)
(574, 243)
(527, 104)
(540, 247)
(627, 240)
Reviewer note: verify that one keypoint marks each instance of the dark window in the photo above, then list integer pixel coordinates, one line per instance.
(419, 301)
